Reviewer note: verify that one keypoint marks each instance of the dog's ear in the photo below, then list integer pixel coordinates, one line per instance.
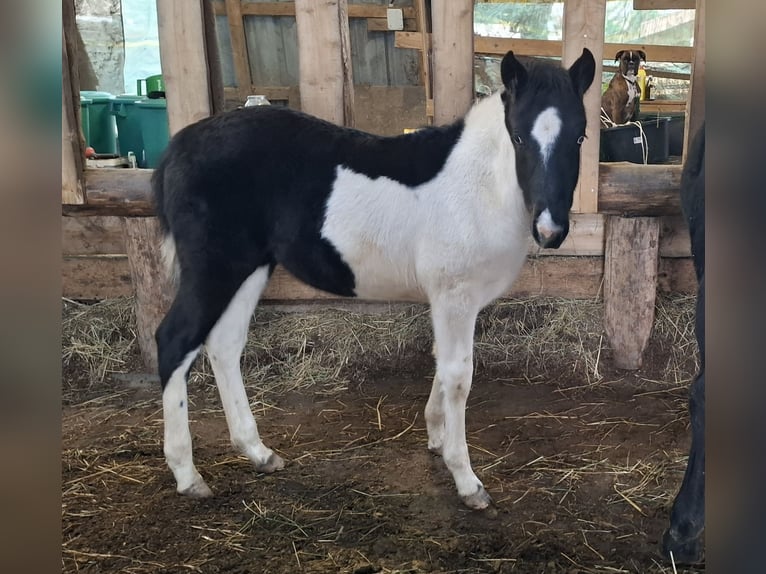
(618, 55)
(642, 55)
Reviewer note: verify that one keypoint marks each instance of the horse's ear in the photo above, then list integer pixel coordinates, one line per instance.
(583, 71)
(642, 55)
(512, 72)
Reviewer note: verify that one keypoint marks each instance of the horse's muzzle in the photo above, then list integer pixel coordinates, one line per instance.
(547, 232)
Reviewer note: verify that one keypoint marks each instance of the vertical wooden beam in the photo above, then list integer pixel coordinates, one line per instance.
(695, 104)
(184, 62)
(452, 44)
(324, 54)
(631, 261)
(72, 141)
(584, 28)
(422, 12)
(154, 291)
(239, 48)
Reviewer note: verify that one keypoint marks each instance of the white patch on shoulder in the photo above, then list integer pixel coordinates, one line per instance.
(546, 131)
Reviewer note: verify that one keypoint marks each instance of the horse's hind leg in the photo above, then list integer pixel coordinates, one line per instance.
(224, 348)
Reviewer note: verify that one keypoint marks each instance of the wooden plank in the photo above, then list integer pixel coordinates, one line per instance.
(103, 277)
(552, 48)
(288, 9)
(632, 189)
(326, 82)
(695, 110)
(674, 237)
(381, 25)
(153, 288)
(624, 189)
(96, 277)
(425, 57)
(99, 235)
(183, 57)
(239, 48)
(72, 143)
(631, 263)
(584, 28)
(663, 4)
(452, 60)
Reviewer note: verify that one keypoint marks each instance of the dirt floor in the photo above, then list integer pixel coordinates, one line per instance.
(582, 460)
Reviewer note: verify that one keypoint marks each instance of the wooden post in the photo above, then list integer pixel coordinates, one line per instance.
(695, 104)
(425, 58)
(452, 44)
(154, 292)
(324, 54)
(239, 48)
(631, 258)
(186, 72)
(72, 142)
(183, 57)
(584, 28)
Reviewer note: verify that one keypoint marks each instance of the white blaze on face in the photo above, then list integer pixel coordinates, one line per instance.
(546, 131)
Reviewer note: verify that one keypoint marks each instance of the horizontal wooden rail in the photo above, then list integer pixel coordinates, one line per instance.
(626, 189)
(288, 9)
(551, 48)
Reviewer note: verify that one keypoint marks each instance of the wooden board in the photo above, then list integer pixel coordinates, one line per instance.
(452, 60)
(184, 62)
(584, 28)
(238, 48)
(326, 81)
(98, 235)
(630, 286)
(552, 48)
(101, 277)
(663, 4)
(695, 111)
(289, 8)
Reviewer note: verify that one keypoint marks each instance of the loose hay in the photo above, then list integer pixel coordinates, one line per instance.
(559, 472)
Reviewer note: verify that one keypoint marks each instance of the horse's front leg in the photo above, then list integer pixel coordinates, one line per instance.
(453, 323)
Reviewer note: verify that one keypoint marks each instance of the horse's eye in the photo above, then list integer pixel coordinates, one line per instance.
(516, 138)
(580, 140)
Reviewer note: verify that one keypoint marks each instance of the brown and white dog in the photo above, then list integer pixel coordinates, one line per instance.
(620, 100)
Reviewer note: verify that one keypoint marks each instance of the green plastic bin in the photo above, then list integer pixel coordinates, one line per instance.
(102, 128)
(153, 117)
(129, 136)
(85, 116)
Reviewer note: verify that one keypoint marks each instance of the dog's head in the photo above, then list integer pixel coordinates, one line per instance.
(630, 60)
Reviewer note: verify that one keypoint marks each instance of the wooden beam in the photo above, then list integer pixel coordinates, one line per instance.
(324, 53)
(551, 48)
(72, 141)
(426, 55)
(183, 57)
(584, 28)
(153, 288)
(99, 235)
(239, 48)
(663, 4)
(288, 9)
(631, 262)
(627, 189)
(452, 45)
(695, 110)
(632, 189)
(381, 25)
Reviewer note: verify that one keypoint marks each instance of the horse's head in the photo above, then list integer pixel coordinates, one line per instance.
(545, 117)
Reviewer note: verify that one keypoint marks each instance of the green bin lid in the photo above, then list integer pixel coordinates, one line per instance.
(96, 96)
(153, 103)
(129, 98)
(85, 101)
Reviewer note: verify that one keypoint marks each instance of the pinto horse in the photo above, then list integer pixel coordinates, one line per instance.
(687, 519)
(441, 215)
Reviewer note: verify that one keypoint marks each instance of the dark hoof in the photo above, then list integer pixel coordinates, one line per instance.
(689, 551)
(479, 500)
(435, 450)
(273, 464)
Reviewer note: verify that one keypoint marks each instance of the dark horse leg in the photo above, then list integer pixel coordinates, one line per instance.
(687, 519)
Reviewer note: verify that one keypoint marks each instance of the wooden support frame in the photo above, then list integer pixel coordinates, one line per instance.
(695, 105)
(452, 46)
(239, 48)
(72, 142)
(324, 53)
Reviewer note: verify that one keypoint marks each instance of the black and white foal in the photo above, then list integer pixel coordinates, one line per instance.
(441, 216)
